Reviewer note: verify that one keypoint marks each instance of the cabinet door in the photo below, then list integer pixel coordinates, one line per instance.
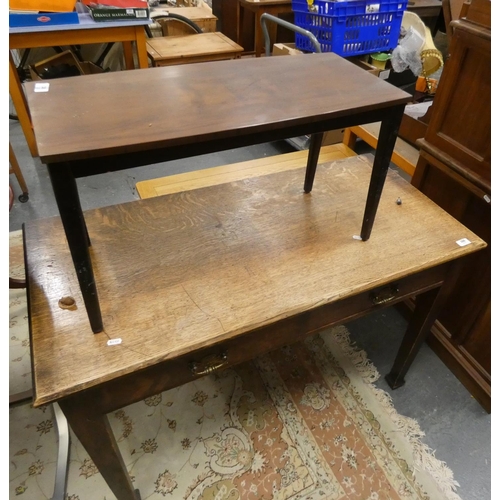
(462, 333)
(460, 125)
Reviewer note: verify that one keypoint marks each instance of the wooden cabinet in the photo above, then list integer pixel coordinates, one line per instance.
(454, 170)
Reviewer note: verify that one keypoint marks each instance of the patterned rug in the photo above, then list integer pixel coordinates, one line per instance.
(303, 423)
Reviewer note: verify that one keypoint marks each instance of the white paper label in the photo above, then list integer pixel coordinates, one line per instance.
(114, 341)
(42, 87)
(356, 237)
(463, 242)
(373, 8)
(384, 74)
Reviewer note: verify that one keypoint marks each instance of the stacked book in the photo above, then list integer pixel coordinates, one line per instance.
(117, 10)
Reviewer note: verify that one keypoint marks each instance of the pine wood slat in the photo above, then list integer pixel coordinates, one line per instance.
(236, 171)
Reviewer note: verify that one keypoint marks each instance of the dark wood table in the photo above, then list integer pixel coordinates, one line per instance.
(201, 280)
(428, 10)
(259, 7)
(104, 122)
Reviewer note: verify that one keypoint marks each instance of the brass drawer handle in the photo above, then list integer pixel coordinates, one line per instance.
(385, 295)
(208, 364)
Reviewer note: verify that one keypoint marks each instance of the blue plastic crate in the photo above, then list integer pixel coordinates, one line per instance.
(351, 27)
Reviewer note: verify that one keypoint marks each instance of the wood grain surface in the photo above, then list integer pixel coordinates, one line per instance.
(199, 47)
(184, 271)
(237, 171)
(128, 111)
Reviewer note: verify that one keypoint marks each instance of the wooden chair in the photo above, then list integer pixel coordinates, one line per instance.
(16, 170)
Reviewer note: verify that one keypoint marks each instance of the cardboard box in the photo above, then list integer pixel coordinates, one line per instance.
(62, 65)
(362, 63)
(285, 49)
(333, 137)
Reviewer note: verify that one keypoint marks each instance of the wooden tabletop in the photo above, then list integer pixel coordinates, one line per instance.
(85, 117)
(178, 49)
(184, 271)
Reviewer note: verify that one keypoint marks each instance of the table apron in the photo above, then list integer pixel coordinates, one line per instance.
(114, 161)
(72, 37)
(129, 389)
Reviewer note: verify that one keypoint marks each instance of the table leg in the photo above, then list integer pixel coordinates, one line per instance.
(259, 38)
(128, 55)
(96, 436)
(239, 24)
(428, 306)
(142, 52)
(387, 139)
(312, 160)
(21, 106)
(68, 203)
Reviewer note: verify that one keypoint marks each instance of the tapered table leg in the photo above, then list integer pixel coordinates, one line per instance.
(68, 202)
(312, 160)
(96, 436)
(387, 139)
(427, 308)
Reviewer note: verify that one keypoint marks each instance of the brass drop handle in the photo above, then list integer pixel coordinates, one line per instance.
(385, 295)
(208, 364)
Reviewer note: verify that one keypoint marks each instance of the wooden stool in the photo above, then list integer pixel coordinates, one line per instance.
(202, 47)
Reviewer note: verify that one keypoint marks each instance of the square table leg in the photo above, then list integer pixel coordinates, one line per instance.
(75, 228)
(21, 106)
(96, 436)
(387, 139)
(312, 160)
(428, 305)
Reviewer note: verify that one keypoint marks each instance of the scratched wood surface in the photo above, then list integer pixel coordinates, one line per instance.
(180, 272)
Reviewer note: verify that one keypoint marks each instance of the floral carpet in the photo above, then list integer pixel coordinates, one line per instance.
(304, 422)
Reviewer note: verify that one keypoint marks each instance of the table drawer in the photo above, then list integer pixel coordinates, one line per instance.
(172, 373)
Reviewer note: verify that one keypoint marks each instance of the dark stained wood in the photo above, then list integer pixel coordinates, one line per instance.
(312, 163)
(460, 125)
(200, 109)
(427, 10)
(454, 170)
(259, 7)
(84, 117)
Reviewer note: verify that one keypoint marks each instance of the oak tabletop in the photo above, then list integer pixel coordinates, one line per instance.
(181, 272)
(134, 111)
